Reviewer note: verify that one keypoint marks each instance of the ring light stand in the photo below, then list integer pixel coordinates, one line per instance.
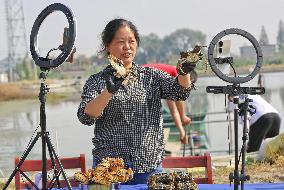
(235, 90)
(45, 65)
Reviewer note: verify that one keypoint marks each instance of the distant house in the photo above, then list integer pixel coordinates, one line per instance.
(249, 51)
(268, 50)
(3, 77)
(3, 71)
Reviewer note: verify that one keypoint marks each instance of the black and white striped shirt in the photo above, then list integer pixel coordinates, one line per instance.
(131, 126)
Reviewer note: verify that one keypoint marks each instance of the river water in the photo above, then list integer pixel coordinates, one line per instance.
(19, 119)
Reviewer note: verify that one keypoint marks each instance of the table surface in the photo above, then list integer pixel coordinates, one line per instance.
(256, 186)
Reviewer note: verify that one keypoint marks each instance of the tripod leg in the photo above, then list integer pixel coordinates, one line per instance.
(244, 177)
(23, 157)
(58, 161)
(236, 171)
(56, 173)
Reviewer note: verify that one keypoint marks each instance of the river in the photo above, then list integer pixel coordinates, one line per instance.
(19, 119)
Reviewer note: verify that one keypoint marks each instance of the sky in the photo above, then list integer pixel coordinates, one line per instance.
(161, 17)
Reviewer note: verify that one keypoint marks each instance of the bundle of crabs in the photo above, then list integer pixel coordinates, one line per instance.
(110, 170)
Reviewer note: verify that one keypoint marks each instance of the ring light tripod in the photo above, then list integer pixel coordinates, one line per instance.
(45, 65)
(236, 90)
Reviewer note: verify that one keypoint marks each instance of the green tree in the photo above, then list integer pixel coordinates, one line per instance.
(280, 36)
(181, 40)
(263, 39)
(154, 49)
(26, 69)
(166, 50)
(150, 49)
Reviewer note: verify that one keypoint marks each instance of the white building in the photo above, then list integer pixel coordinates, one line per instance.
(3, 77)
(249, 51)
(4, 71)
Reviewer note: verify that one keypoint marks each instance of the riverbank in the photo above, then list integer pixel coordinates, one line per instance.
(15, 91)
(29, 90)
(266, 68)
(60, 89)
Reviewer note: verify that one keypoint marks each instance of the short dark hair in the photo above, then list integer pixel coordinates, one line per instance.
(112, 27)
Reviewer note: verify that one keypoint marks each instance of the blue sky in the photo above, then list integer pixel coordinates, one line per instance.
(158, 16)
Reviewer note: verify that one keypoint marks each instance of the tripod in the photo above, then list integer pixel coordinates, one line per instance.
(242, 110)
(46, 142)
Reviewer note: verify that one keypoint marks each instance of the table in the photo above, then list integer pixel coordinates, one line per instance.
(255, 186)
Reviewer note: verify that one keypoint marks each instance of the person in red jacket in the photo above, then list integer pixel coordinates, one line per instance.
(177, 108)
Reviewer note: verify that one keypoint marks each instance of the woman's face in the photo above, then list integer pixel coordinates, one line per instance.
(123, 45)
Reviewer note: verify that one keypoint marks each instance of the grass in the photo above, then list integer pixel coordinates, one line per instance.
(259, 172)
(3, 182)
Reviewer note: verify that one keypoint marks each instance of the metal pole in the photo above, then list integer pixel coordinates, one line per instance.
(43, 129)
(236, 171)
(244, 177)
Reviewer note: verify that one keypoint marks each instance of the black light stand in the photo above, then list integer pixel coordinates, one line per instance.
(45, 65)
(235, 90)
(236, 177)
(241, 110)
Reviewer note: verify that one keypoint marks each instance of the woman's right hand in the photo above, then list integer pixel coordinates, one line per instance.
(113, 83)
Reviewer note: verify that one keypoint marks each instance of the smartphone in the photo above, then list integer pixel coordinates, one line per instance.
(223, 51)
(223, 48)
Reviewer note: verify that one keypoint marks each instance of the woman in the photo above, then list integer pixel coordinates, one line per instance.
(127, 114)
